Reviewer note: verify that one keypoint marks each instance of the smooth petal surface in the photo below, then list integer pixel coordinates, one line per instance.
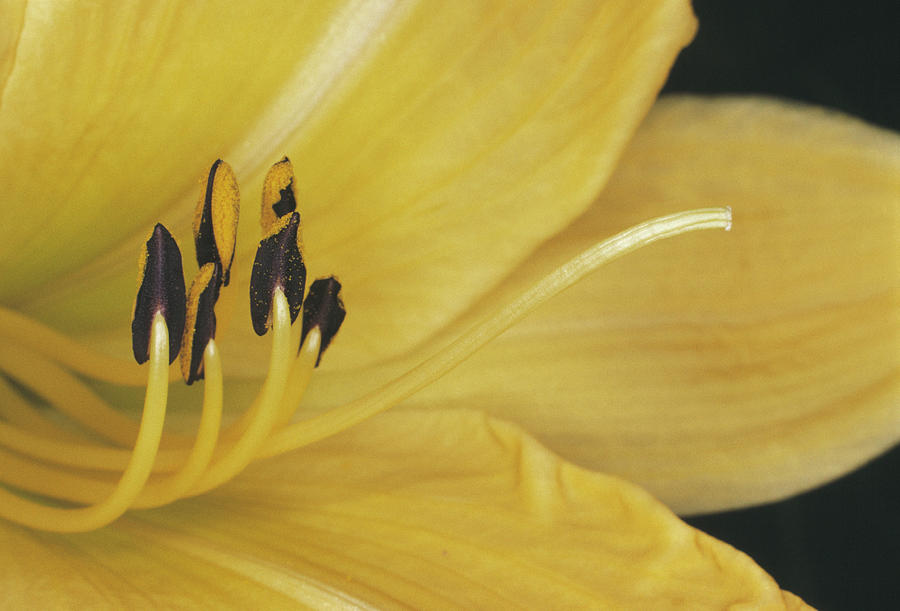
(719, 370)
(411, 509)
(435, 144)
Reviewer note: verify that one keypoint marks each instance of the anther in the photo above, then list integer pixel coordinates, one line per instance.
(323, 309)
(278, 265)
(279, 197)
(200, 324)
(216, 219)
(161, 291)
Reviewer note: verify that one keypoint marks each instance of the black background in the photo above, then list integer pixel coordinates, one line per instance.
(838, 547)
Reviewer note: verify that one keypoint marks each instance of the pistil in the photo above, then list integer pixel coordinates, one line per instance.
(113, 463)
(433, 367)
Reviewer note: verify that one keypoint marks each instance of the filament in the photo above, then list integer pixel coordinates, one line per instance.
(69, 485)
(242, 452)
(37, 515)
(300, 376)
(173, 487)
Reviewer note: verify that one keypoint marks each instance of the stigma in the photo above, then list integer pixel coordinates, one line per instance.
(140, 464)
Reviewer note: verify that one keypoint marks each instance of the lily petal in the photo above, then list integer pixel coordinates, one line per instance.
(106, 110)
(419, 509)
(451, 139)
(729, 369)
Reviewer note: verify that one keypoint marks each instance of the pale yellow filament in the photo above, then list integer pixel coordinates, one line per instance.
(241, 453)
(173, 487)
(46, 441)
(305, 432)
(301, 374)
(298, 380)
(72, 486)
(69, 485)
(36, 515)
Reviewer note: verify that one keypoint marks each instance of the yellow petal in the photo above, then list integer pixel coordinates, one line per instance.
(719, 369)
(483, 132)
(423, 510)
(110, 114)
(434, 146)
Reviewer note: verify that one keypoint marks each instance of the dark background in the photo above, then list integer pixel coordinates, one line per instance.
(838, 547)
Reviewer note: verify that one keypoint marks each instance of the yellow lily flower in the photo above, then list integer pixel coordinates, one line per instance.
(447, 157)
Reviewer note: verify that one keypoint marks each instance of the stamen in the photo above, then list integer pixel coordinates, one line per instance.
(308, 356)
(161, 291)
(305, 432)
(216, 219)
(298, 379)
(68, 485)
(277, 290)
(278, 265)
(169, 489)
(246, 447)
(160, 305)
(323, 310)
(200, 323)
(53, 482)
(36, 515)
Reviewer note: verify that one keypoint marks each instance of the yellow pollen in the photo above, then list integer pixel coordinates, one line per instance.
(279, 195)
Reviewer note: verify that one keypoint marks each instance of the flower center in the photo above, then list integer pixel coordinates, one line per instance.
(169, 321)
(89, 474)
